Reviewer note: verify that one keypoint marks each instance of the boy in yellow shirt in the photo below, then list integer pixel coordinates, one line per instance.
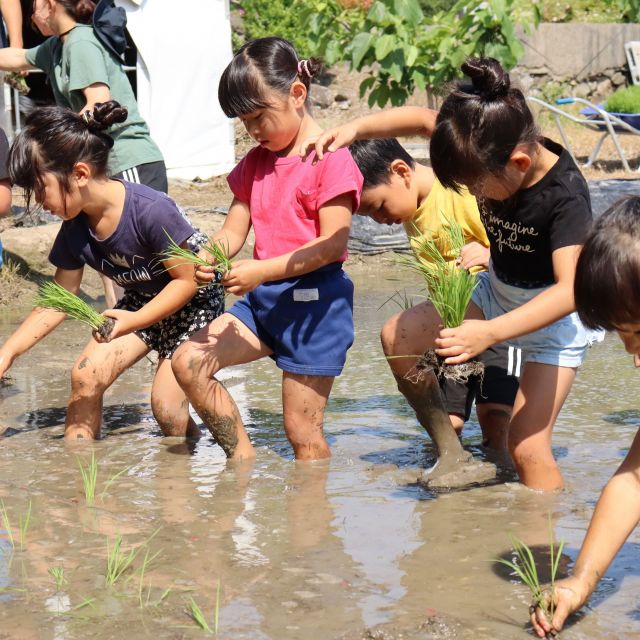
(397, 190)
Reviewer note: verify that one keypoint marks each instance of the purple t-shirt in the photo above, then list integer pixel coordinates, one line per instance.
(130, 256)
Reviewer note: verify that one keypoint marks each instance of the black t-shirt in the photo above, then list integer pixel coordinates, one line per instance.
(524, 230)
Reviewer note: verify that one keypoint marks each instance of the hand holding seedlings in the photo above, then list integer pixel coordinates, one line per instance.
(568, 596)
(459, 344)
(54, 296)
(245, 277)
(123, 322)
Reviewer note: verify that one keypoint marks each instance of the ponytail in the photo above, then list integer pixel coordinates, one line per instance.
(80, 10)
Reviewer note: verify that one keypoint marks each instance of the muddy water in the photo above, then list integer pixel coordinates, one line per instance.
(349, 549)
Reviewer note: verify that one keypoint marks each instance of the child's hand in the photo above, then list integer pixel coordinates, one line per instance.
(6, 360)
(473, 255)
(462, 343)
(569, 596)
(124, 324)
(205, 275)
(245, 276)
(331, 140)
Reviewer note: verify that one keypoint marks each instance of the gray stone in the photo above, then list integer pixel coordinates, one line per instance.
(618, 78)
(321, 96)
(582, 90)
(604, 88)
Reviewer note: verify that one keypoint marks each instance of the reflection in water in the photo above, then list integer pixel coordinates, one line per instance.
(320, 551)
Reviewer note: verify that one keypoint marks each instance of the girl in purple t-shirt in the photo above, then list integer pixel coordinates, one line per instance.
(117, 228)
(298, 307)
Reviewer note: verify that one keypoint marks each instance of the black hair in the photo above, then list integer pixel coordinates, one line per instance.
(259, 66)
(374, 158)
(54, 139)
(607, 281)
(479, 125)
(79, 10)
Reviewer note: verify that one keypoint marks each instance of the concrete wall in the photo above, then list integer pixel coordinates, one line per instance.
(588, 57)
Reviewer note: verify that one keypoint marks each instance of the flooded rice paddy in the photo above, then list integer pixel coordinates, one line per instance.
(274, 550)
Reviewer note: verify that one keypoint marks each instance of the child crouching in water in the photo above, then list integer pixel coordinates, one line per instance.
(297, 304)
(397, 190)
(120, 229)
(607, 294)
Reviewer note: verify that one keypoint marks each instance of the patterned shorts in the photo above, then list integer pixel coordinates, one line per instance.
(168, 334)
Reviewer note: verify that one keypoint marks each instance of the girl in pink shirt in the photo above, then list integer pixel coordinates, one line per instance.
(298, 302)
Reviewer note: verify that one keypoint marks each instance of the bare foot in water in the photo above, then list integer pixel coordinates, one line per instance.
(454, 474)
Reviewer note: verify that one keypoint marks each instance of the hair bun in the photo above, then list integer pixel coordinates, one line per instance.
(105, 114)
(489, 79)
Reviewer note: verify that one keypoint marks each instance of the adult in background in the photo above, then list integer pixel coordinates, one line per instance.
(83, 65)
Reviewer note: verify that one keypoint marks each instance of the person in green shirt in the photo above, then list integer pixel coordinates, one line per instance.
(83, 71)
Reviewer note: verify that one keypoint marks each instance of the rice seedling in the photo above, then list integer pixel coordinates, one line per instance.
(449, 287)
(57, 573)
(118, 562)
(148, 559)
(199, 617)
(525, 568)
(89, 478)
(217, 250)
(53, 296)
(24, 520)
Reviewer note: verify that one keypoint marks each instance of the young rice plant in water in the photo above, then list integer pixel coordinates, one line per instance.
(449, 287)
(524, 566)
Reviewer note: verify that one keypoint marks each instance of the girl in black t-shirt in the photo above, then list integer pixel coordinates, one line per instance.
(535, 207)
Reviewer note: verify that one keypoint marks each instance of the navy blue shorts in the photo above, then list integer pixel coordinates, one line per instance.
(307, 321)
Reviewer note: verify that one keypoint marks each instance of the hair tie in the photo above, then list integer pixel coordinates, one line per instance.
(303, 66)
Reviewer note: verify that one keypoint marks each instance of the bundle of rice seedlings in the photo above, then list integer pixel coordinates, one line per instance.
(449, 288)
(524, 566)
(53, 296)
(216, 249)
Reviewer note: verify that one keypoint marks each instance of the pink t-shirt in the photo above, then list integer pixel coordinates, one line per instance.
(285, 195)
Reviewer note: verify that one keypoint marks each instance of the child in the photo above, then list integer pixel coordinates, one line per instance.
(398, 190)
(535, 208)
(118, 228)
(5, 183)
(607, 294)
(298, 303)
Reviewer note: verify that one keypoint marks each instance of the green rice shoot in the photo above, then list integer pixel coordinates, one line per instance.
(53, 296)
(449, 287)
(24, 520)
(525, 568)
(118, 562)
(198, 616)
(89, 475)
(216, 249)
(57, 573)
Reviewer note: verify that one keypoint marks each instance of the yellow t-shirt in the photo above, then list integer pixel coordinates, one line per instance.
(442, 204)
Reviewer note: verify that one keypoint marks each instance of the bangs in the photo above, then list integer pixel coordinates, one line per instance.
(240, 90)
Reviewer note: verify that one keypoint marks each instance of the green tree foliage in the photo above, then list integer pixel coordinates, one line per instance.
(404, 50)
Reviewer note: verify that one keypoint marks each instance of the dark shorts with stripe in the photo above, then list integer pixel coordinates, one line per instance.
(151, 174)
(499, 384)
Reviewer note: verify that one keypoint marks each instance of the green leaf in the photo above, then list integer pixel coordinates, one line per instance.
(384, 46)
(411, 55)
(359, 47)
(377, 13)
(366, 84)
(409, 10)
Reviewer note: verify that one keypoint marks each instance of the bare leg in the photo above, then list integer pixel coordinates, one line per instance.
(224, 342)
(494, 421)
(92, 374)
(543, 390)
(112, 292)
(411, 333)
(304, 399)
(170, 405)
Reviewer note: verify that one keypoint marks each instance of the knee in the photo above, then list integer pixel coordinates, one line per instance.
(85, 378)
(527, 451)
(388, 335)
(172, 419)
(186, 363)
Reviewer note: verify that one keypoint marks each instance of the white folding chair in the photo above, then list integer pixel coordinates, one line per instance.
(596, 119)
(632, 51)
